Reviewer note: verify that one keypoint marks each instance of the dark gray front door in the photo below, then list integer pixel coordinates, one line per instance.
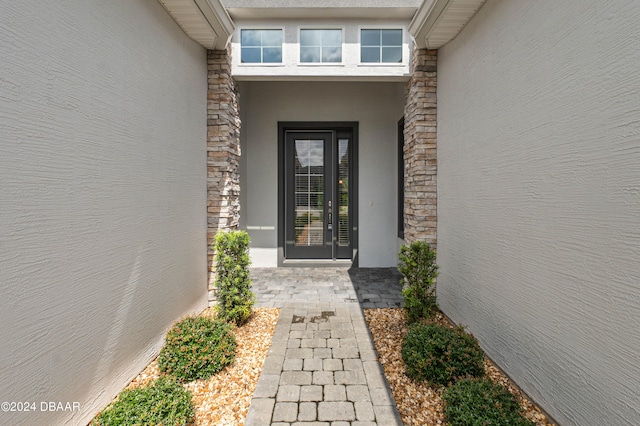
(318, 194)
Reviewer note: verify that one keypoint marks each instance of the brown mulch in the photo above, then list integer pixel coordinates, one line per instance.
(224, 398)
(418, 403)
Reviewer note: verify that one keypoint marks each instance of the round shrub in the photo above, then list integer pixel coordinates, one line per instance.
(197, 348)
(163, 402)
(480, 402)
(441, 355)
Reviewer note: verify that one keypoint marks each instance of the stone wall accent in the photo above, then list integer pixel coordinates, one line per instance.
(420, 166)
(223, 149)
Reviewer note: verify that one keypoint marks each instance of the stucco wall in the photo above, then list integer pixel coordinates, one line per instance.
(376, 106)
(102, 195)
(539, 199)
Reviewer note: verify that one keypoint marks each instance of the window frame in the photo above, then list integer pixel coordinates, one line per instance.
(321, 27)
(262, 64)
(403, 62)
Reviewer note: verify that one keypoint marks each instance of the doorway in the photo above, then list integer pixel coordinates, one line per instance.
(317, 192)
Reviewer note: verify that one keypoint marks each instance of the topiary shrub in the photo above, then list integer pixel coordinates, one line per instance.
(441, 355)
(417, 264)
(163, 402)
(473, 402)
(197, 348)
(235, 297)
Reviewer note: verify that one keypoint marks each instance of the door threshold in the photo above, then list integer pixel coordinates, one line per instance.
(317, 263)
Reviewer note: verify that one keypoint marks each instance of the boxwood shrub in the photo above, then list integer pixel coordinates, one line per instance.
(163, 402)
(441, 355)
(480, 402)
(197, 348)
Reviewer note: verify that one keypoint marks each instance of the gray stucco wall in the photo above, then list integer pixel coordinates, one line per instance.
(539, 199)
(102, 197)
(376, 106)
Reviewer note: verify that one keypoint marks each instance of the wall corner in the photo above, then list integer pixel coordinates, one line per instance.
(420, 160)
(223, 150)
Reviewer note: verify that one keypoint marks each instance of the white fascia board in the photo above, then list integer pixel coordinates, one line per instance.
(205, 21)
(425, 20)
(220, 21)
(437, 22)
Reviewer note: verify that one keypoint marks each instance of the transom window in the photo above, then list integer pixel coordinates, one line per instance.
(261, 46)
(320, 46)
(381, 46)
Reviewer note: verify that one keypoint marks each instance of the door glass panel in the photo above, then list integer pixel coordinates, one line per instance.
(309, 192)
(343, 192)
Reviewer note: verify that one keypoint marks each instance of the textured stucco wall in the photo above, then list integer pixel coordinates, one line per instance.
(539, 199)
(102, 197)
(376, 106)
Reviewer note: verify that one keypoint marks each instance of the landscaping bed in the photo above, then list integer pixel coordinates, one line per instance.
(224, 398)
(419, 403)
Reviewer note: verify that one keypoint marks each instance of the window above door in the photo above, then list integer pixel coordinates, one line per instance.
(381, 46)
(320, 45)
(261, 46)
(338, 50)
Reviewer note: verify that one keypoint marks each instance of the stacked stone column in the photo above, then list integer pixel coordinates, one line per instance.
(420, 166)
(223, 149)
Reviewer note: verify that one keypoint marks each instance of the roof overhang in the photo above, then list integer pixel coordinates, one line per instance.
(437, 22)
(205, 21)
(322, 13)
(321, 9)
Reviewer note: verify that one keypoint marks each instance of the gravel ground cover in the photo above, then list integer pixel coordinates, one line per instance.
(224, 398)
(418, 403)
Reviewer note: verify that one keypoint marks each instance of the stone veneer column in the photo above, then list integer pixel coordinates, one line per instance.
(420, 167)
(223, 149)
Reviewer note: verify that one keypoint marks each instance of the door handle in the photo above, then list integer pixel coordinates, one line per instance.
(330, 218)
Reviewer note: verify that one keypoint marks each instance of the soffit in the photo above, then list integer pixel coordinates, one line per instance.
(321, 13)
(437, 22)
(292, 9)
(205, 21)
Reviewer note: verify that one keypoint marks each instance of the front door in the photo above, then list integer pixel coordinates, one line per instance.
(318, 194)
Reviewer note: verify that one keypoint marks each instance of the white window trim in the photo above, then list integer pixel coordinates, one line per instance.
(261, 64)
(382, 64)
(321, 64)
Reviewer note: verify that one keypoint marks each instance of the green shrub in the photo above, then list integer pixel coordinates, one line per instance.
(417, 264)
(235, 297)
(197, 348)
(480, 402)
(441, 355)
(163, 402)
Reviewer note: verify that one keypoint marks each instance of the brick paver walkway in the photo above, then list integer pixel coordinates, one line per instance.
(366, 287)
(322, 366)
